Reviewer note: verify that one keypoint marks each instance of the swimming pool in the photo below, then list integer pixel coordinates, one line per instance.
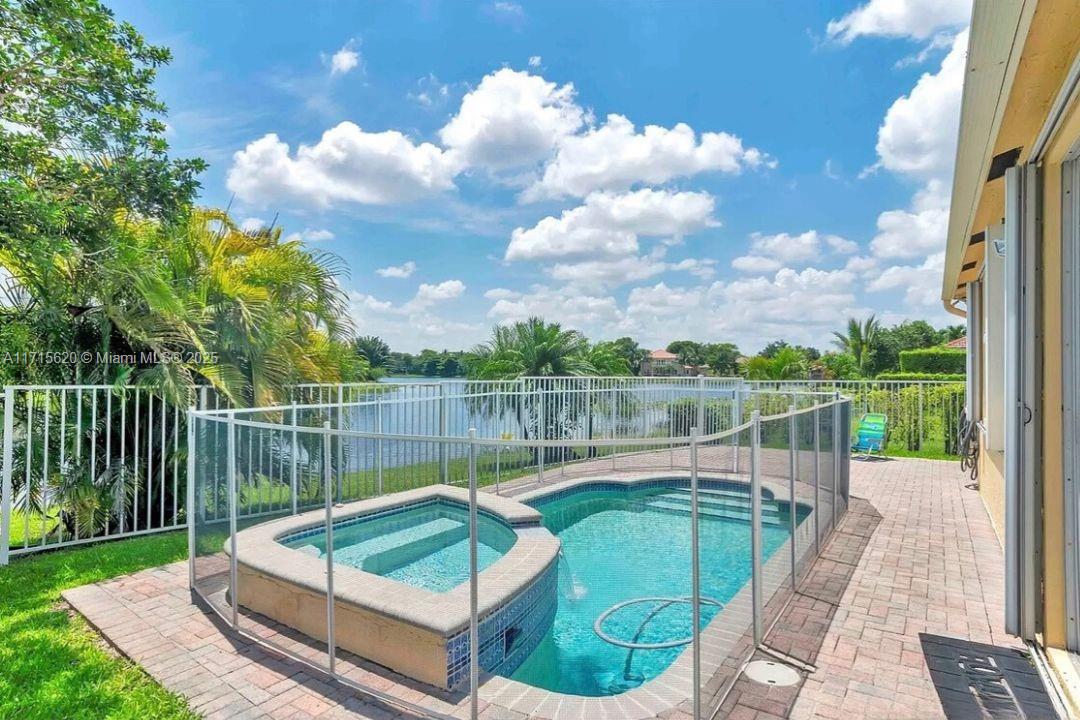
(621, 542)
(424, 545)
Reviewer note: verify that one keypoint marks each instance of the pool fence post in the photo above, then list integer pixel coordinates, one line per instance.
(378, 446)
(701, 405)
(540, 430)
(329, 502)
(5, 493)
(755, 523)
(190, 495)
(817, 481)
(294, 479)
(793, 441)
(444, 464)
(614, 420)
(233, 490)
(736, 420)
(836, 445)
(498, 429)
(695, 574)
(474, 586)
(340, 445)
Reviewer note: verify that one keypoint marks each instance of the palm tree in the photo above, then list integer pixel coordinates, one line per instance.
(859, 341)
(787, 363)
(374, 348)
(534, 348)
(262, 312)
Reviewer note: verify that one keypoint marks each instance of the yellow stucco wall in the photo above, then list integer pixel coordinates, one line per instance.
(1053, 484)
(1052, 457)
(992, 488)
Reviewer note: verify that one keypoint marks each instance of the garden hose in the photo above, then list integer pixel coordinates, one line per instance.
(968, 446)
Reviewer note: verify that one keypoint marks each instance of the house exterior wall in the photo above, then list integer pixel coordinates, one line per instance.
(1044, 49)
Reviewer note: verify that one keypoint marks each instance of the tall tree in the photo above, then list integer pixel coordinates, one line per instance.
(722, 358)
(534, 348)
(859, 341)
(786, 363)
(82, 149)
(374, 349)
(689, 351)
(629, 350)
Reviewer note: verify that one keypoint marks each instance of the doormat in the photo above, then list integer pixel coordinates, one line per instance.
(975, 680)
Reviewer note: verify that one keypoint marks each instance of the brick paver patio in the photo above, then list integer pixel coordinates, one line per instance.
(915, 556)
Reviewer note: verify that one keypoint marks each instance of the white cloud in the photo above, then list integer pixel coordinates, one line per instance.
(535, 60)
(410, 327)
(345, 59)
(756, 264)
(507, 9)
(609, 225)
(917, 19)
(347, 164)
(862, 265)
(801, 306)
(940, 41)
(251, 224)
(512, 119)
(917, 140)
(918, 135)
(311, 235)
(841, 246)
(595, 275)
(430, 91)
(397, 271)
(918, 230)
(771, 252)
(588, 313)
(428, 295)
(615, 156)
(921, 283)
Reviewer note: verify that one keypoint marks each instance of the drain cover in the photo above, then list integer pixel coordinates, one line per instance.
(769, 672)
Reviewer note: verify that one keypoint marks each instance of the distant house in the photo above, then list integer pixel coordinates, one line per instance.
(959, 343)
(662, 363)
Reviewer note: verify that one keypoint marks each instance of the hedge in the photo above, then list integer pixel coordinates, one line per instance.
(934, 360)
(943, 377)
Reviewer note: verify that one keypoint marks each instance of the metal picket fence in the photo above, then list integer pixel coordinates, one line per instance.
(83, 463)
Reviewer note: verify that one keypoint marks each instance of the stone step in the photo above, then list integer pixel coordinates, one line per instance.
(768, 507)
(726, 514)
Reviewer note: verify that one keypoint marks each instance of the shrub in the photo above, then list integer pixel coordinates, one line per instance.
(684, 415)
(943, 377)
(934, 360)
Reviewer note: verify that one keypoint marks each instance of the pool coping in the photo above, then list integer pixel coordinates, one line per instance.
(445, 613)
(674, 686)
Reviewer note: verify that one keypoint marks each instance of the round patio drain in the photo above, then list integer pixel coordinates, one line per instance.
(770, 672)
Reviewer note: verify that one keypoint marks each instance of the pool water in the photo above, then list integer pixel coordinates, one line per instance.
(620, 544)
(426, 546)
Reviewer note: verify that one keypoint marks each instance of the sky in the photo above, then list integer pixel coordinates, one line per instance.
(726, 172)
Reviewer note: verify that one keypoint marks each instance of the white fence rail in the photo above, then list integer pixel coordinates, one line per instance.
(91, 462)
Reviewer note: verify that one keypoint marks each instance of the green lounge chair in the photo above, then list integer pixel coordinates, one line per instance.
(870, 435)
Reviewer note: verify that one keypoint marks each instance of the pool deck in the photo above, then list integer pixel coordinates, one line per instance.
(914, 565)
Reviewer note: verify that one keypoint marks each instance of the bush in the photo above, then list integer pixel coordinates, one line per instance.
(943, 377)
(684, 415)
(934, 360)
(934, 435)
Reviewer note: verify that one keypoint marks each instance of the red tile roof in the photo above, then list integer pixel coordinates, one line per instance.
(959, 343)
(663, 355)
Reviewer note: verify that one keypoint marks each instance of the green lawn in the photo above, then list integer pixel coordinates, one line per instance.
(52, 665)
